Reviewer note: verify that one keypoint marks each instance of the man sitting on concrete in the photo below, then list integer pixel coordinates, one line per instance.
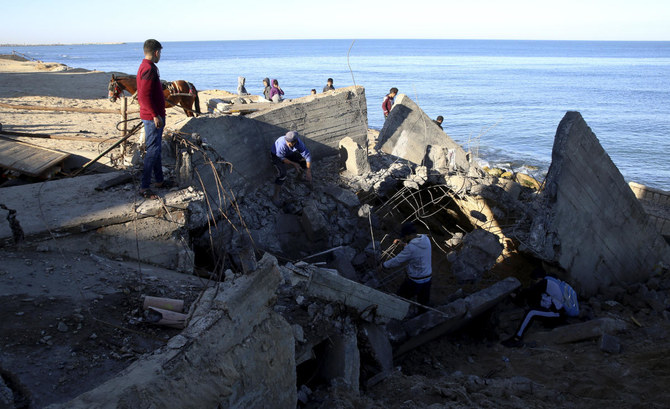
(416, 253)
(289, 150)
(549, 298)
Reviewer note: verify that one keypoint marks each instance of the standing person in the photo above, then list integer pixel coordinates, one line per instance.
(266, 89)
(416, 253)
(329, 85)
(439, 120)
(548, 298)
(388, 101)
(152, 112)
(289, 150)
(276, 93)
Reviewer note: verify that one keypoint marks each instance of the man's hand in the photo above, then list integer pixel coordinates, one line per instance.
(399, 242)
(308, 175)
(158, 121)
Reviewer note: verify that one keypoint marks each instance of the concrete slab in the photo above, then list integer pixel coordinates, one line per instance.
(432, 324)
(409, 133)
(578, 332)
(342, 359)
(160, 241)
(74, 206)
(592, 223)
(322, 120)
(329, 285)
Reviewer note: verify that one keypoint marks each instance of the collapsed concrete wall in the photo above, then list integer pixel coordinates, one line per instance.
(322, 120)
(590, 221)
(410, 134)
(656, 203)
(235, 353)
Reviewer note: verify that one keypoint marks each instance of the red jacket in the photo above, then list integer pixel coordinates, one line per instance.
(387, 105)
(150, 91)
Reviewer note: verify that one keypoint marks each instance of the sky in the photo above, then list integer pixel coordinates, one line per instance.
(76, 21)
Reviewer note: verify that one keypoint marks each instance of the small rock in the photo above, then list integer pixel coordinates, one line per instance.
(298, 333)
(610, 344)
(62, 327)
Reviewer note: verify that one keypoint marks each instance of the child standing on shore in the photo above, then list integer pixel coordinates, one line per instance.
(152, 112)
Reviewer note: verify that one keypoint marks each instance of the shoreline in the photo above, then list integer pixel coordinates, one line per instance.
(60, 44)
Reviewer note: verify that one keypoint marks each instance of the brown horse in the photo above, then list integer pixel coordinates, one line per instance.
(179, 93)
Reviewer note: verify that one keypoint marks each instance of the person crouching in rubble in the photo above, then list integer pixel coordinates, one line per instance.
(548, 298)
(289, 150)
(416, 253)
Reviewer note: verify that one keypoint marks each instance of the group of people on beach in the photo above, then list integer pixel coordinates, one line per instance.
(548, 298)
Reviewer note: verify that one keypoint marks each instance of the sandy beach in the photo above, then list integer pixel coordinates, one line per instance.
(37, 84)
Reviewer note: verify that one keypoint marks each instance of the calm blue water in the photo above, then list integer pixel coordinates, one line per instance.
(502, 99)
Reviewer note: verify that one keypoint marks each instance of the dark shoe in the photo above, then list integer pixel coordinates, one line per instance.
(513, 342)
(148, 194)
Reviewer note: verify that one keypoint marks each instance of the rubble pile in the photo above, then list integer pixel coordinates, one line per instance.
(288, 303)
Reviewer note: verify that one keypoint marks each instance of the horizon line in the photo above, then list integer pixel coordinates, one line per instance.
(326, 39)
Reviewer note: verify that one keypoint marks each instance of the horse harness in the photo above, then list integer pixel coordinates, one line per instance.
(173, 89)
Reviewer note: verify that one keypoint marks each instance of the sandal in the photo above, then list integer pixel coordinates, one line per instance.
(148, 194)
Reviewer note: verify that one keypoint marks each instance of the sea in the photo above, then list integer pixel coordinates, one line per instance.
(501, 99)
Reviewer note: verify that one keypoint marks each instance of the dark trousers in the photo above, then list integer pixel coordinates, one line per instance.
(280, 166)
(409, 289)
(152, 155)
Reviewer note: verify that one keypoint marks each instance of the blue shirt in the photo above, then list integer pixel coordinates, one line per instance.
(281, 149)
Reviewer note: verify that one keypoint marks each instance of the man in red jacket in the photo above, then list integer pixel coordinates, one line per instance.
(388, 101)
(152, 112)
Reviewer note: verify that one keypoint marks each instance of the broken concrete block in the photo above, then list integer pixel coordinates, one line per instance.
(578, 332)
(478, 254)
(342, 262)
(437, 157)
(408, 132)
(91, 210)
(341, 359)
(586, 206)
(155, 240)
(314, 223)
(432, 324)
(344, 196)
(610, 344)
(236, 353)
(326, 284)
(353, 158)
(374, 341)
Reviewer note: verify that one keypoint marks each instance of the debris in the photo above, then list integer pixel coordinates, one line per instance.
(478, 253)
(163, 303)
